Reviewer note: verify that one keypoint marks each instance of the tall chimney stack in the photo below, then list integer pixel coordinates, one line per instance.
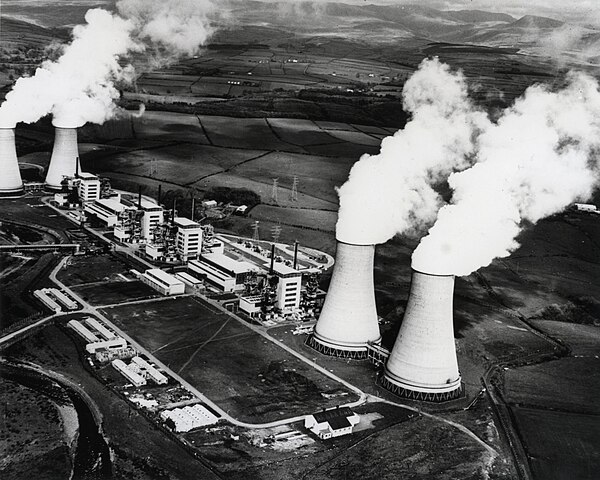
(65, 157)
(193, 207)
(348, 321)
(139, 205)
(295, 254)
(272, 259)
(158, 197)
(422, 364)
(10, 176)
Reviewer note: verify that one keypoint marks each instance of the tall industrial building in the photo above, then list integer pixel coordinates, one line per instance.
(64, 159)
(88, 188)
(153, 217)
(422, 364)
(10, 176)
(189, 238)
(348, 321)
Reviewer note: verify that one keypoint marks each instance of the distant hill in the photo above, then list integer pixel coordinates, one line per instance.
(479, 16)
(531, 21)
(21, 34)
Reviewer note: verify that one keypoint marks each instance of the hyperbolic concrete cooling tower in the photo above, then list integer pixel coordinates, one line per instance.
(64, 157)
(422, 364)
(10, 176)
(348, 321)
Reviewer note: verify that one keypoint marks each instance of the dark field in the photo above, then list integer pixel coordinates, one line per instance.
(98, 268)
(238, 369)
(115, 292)
(560, 445)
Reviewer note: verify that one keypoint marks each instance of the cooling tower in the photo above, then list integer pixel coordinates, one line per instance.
(422, 364)
(348, 321)
(64, 157)
(10, 176)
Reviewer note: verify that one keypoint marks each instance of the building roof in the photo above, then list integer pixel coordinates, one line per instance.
(87, 176)
(338, 423)
(229, 263)
(185, 222)
(164, 276)
(149, 204)
(330, 415)
(282, 268)
(111, 204)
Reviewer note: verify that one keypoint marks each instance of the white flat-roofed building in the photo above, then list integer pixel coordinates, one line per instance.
(288, 288)
(586, 207)
(108, 354)
(114, 343)
(100, 328)
(106, 210)
(189, 238)
(332, 423)
(162, 281)
(83, 331)
(150, 371)
(62, 298)
(239, 270)
(251, 305)
(42, 296)
(215, 276)
(190, 281)
(154, 216)
(190, 417)
(135, 378)
(88, 189)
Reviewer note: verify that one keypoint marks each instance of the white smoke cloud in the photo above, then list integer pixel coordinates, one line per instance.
(535, 161)
(79, 86)
(392, 192)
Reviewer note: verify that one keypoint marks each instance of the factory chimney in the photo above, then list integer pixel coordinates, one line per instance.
(139, 204)
(422, 364)
(65, 157)
(10, 176)
(295, 254)
(193, 208)
(271, 268)
(158, 197)
(348, 321)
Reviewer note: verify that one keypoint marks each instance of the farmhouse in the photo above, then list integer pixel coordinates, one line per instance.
(332, 423)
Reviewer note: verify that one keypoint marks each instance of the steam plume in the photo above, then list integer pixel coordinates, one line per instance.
(79, 87)
(392, 192)
(536, 160)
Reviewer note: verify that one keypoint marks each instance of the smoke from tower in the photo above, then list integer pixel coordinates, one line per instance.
(392, 192)
(537, 159)
(79, 87)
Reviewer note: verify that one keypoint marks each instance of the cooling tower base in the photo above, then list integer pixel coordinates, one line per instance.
(422, 396)
(11, 193)
(340, 351)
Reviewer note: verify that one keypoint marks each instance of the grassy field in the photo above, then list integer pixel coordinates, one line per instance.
(241, 371)
(560, 445)
(107, 293)
(97, 268)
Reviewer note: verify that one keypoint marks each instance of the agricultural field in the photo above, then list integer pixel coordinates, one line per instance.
(253, 379)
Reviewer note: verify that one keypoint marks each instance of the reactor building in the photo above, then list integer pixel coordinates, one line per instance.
(423, 365)
(10, 178)
(348, 322)
(64, 161)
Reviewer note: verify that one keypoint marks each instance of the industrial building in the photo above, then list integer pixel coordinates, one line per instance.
(225, 272)
(153, 216)
(423, 365)
(64, 161)
(192, 283)
(163, 282)
(62, 298)
(83, 331)
(42, 296)
(331, 423)
(251, 305)
(188, 239)
(348, 322)
(190, 417)
(135, 378)
(148, 370)
(104, 355)
(10, 180)
(288, 288)
(100, 328)
(88, 188)
(117, 342)
(107, 210)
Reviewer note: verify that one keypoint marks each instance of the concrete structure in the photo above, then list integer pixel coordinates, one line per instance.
(194, 284)
(332, 423)
(187, 418)
(10, 178)
(348, 321)
(150, 371)
(100, 328)
(88, 188)
(62, 298)
(422, 365)
(135, 378)
(288, 288)
(162, 281)
(64, 159)
(223, 271)
(213, 274)
(251, 305)
(117, 342)
(106, 210)
(189, 238)
(83, 331)
(42, 296)
(104, 355)
(586, 207)
(153, 216)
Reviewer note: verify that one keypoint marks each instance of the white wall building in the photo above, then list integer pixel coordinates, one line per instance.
(187, 418)
(106, 210)
(83, 331)
(332, 423)
(162, 281)
(150, 371)
(135, 378)
(153, 216)
(288, 288)
(214, 275)
(114, 343)
(251, 305)
(189, 238)
(88, 189)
